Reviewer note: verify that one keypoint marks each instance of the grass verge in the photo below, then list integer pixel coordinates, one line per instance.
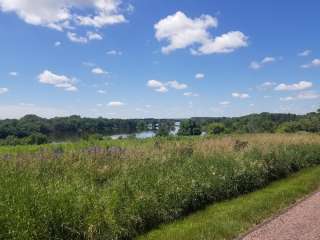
(229, 219)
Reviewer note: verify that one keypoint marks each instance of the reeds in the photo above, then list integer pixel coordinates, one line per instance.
(119, 189)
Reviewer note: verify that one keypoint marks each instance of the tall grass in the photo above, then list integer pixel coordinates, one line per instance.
(119, 189)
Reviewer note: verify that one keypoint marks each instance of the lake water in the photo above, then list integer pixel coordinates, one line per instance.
(146, 134)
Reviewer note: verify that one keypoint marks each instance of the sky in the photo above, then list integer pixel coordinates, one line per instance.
(159, 58)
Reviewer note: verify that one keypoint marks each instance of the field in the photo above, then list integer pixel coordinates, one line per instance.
(121, 189)
(230, 219)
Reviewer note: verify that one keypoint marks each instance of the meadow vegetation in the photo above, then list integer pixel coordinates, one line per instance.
(118, 189)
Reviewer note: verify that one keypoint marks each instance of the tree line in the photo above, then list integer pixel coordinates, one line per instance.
(253, 123)
(32, 129)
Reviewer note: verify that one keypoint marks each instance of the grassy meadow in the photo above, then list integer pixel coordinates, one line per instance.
(230, 219)
(119, 189)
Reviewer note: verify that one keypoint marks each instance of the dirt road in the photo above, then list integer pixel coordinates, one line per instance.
(301, 222)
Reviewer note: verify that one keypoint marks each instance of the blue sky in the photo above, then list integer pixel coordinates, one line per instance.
(160, 58)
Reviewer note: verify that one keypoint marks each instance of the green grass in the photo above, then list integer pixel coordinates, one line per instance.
(227, 220)
(113, 190)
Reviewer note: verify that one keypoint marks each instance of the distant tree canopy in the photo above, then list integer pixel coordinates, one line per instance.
(189, 128)
(32, 129)
(262, 123)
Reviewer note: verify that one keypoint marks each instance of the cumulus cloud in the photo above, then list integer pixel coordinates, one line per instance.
(115, 104)
(259, 64)
(314, 63)
(74, 37)
(304, 53)
(3, 90)
(309, 95)
(267, 85)
(99, 71)
(240, 95)
(181, 32)
(59, 81)
(302, 85)
(157, 86)
(94, 36)
(191, 94)
(66, 14)
(161, 87)
(199, 76)
(101, 91)
(176, 85)
(114, 53)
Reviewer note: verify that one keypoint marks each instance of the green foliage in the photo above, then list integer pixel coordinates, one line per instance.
(228, 220)
(215, 128)
(163, 131)
(120, 189)
(189, 128)
(70, 128)
(33, 139)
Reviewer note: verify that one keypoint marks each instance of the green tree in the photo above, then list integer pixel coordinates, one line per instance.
(189, 128)
(215, 128)
(163, 131)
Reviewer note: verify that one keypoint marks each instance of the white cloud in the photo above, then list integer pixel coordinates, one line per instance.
(163, 87)
(94, 36)
(69, 15)
(199, 76)
(267, 85)
(309, 95)
(302, 85)
(59, 81)
(57, 44)
(154, 84)
(314, 63)
(225, 103)
(191, 94)
(101, 91)
(73, 37)
(115, 104)
(226, 43)
(13, 74)
(286, 99)
(240, 95)
(114, 52)
(305, 53)
(257, 65)
(3, 90)
(90, 36)
(268, 60)
(99, 71)
(176, 85)
(65, 14)
(157, 86)
(183, 32)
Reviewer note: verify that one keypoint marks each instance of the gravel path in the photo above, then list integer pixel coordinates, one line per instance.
(302, 222)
